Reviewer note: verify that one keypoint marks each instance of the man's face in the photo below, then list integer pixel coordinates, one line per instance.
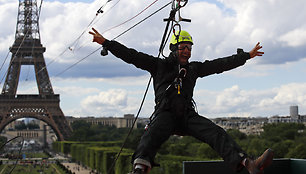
(184, 53)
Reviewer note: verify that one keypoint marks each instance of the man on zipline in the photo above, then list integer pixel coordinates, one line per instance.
(174, 79)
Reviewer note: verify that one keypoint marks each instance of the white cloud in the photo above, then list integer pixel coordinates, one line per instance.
(104, 102)
(116, 97)
(216, 32)
(289, 94)
(234, 101)
(75, 91)
(8, 13)
(279, 25)
(294, 38)
(230, 97)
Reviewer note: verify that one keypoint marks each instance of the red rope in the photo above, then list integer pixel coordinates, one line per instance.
(130, 18)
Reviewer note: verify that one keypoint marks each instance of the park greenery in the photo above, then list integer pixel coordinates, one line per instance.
(3, 140)
(34, 163)
(96, 146)
(32, 169)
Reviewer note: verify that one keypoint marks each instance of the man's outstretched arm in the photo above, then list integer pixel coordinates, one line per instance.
(129, 55)
(227, 63)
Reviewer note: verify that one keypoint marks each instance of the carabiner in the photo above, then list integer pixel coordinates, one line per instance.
(179, 3)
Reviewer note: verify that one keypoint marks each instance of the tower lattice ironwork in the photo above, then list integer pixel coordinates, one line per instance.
(28, 50)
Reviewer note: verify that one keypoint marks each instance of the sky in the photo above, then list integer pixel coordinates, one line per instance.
(106, 86)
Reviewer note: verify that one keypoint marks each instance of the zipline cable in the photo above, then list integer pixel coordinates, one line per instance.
(130, 18)
(5, 74)
(4, 60)
(142, 20)
(32, 53)
(19, 152)
(77, 62)
(39, 9)
(107, 11)
(100, 10)
(112, 39)
(77, 39)
(123, 22)
(73, 47)
(14, 56)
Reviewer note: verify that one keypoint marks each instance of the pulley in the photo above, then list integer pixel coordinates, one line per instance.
(175, 9)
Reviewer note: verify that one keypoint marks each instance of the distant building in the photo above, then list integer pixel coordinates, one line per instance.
(243, 124)
(246, 125)
(38, 134)
(119, 122)
(294, 117)
(255, 125)
(33, 134)
(279, 119)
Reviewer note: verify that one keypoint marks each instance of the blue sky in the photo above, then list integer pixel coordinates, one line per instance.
(106, 86)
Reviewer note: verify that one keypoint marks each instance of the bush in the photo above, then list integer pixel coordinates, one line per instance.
(298, 151)
(123, 164)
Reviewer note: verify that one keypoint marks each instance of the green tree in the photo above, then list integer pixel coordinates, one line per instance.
(80, 124)
(134, 138)
(21, 126)
(283, 138)
(192, 149)
(3, 140)
(32, 126)
(257, 146)
(177, 149)
(81, 131)
(205, 151)
(298, 151)
(282, 148)
(281, 131)
(236, 134)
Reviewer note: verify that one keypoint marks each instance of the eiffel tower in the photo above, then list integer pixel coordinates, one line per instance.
(28, 50)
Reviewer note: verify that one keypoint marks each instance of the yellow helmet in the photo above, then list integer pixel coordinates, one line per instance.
(183, 36)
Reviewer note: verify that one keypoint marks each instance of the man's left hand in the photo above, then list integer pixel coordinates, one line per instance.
(254, 52)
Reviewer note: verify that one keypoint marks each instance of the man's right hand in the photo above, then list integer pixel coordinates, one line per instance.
(97, 37)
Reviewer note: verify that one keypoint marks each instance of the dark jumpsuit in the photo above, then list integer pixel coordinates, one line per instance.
(175, 113)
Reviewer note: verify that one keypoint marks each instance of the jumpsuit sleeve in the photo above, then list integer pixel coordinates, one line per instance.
(220, 65)
(131, 56)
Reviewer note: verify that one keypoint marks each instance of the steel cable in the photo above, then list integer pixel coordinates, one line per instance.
(112, 39)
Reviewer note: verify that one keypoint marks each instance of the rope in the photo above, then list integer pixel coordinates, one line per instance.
(130, 131)
(113, 39)
(76, 41)
(77, 62)
(163, 43)
(108, 11)
(14, 56)
(5, 74)
(4, 60)
(79, 37)
(142, 20)
(19, 152)
(130, 18)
